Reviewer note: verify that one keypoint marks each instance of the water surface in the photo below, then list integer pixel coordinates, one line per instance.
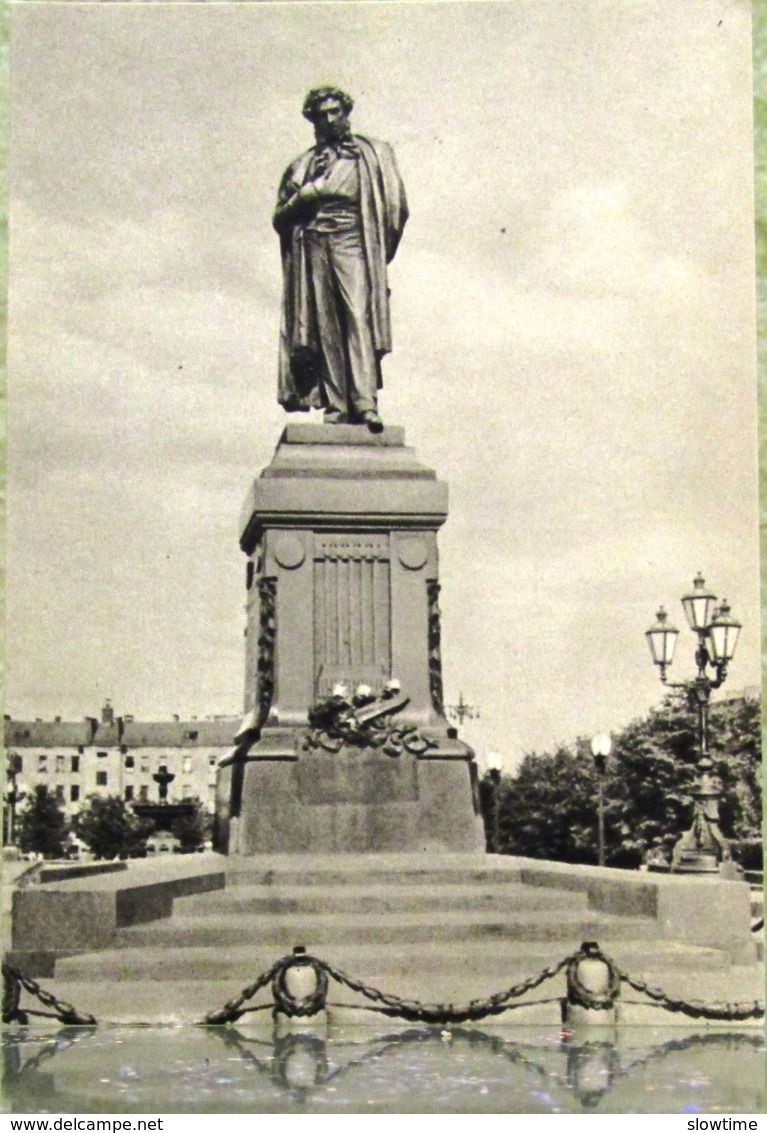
(406, 1070)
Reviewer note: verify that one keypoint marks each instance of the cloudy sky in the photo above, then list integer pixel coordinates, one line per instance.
(573, 325)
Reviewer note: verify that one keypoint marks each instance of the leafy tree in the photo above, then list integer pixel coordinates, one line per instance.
(737, 756)
(42, 825)
(109, 827)
(654, 771)
(191, 828)
(648, 784)
(548, 809)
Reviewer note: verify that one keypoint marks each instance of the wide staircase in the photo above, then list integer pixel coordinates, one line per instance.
(445, 929)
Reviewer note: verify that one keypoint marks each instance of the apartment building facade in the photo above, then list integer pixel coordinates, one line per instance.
(118, 755)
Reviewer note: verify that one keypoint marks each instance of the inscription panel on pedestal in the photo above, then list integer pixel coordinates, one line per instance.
(360, 777)
(352, 608)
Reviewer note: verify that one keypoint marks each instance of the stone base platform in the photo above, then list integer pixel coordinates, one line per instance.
(437, 928)
(355, 801)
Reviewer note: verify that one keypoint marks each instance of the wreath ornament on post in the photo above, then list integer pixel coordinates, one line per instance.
(362, 719)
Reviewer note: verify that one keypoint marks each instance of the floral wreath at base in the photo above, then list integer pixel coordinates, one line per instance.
(362, 719)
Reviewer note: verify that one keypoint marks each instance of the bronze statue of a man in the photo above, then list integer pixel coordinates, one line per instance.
(340, 213)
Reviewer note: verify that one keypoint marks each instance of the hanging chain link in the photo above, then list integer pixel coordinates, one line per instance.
(695, 1008)
(389, 1004)
(14, 980)
(233, 1008)
(11, 998)
(414, 1011)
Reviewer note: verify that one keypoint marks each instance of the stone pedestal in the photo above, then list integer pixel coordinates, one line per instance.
(340, 531)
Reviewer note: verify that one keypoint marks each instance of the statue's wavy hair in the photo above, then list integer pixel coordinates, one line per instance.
(319, 94)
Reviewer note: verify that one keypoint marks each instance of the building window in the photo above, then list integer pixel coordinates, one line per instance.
(60, 795)
(143, 792)
(212, 760)
(187, 765)
(144, 762)
(42, 763)
(123, 748)
(130, 762)
(81, 749)
(19, 764)
(74, 792)
(102, 754)
(129, 792)
(61, 763)
(101, 778)
(193, 734)
(75, 763)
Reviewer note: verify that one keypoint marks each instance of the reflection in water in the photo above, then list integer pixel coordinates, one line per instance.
(24, 1054)
(223, 1069)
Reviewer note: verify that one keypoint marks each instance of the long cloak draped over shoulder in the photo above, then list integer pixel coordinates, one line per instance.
(383, 209)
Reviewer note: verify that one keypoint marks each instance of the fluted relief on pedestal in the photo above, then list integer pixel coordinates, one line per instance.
(352, 609)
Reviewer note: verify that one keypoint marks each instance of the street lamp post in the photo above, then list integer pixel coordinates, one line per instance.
(601, 746)
(462, 711)
(703, 847)
(14, 794)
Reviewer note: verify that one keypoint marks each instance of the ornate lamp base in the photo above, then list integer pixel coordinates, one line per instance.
(703, 848)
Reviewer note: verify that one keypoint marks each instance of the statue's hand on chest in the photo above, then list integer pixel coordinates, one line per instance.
(321, 162)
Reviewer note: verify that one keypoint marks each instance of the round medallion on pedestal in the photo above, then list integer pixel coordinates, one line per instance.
(413, 553)
(289, 551)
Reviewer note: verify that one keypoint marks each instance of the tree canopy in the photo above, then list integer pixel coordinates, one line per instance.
(191, 828)
(548, 808)
(42, 825)
(109, 828)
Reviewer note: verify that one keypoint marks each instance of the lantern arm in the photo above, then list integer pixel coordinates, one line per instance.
(672, 684)
(721, 674)
(700, 686)
(703, 663)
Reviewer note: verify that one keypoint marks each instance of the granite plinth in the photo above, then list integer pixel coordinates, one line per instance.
(343, 580)
(354, 802)
(312, 433)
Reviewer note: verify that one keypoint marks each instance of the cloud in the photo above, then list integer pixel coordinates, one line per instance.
(572, 337)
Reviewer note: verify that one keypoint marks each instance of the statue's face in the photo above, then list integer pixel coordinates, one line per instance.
(330, 120)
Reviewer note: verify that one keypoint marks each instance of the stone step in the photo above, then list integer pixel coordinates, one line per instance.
(456, 871)
(370, 876)
(280, 898)
(285, 930)
(503, 960)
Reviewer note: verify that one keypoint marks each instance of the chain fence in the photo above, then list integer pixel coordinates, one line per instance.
(300, 984)
(14, 981)
(579, 992)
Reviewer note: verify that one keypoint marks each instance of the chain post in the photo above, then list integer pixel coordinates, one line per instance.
(593, 988)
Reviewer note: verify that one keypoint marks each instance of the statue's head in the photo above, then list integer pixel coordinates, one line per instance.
(328, 109)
